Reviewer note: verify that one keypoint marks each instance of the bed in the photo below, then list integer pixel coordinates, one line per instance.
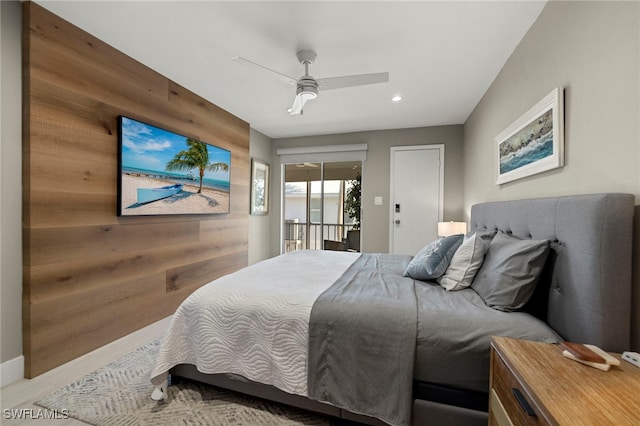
(349, 335)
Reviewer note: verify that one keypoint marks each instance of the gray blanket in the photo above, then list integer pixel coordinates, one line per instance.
(362, 339)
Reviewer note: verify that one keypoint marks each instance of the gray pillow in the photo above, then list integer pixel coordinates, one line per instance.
(433, 259)
(465, 262)
(510, 271)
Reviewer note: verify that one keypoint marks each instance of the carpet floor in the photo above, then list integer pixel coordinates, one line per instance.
(120, 394)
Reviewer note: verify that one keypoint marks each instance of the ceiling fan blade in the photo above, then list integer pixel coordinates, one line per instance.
(285, 78)
(352, 80)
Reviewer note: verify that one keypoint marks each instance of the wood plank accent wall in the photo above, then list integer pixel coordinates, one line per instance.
(91, 277)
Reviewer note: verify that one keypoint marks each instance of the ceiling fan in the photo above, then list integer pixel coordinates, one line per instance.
(308, 165)
(307, 87)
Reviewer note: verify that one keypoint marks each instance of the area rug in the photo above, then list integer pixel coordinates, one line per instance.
(120, 394)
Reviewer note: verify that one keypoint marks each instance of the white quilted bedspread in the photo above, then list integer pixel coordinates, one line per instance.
(253, 322)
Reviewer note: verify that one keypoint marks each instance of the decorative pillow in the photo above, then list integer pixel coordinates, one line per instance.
(431, 262)
(510, 271)
(466, 262)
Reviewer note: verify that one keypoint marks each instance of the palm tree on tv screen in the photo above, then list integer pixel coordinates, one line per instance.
(196, 156)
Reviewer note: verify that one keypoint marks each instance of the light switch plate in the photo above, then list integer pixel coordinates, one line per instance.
(377, 201)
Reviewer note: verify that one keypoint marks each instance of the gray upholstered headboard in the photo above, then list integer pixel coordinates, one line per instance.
(590, 289)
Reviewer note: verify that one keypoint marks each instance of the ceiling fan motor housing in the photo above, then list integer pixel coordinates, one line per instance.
(308, 86)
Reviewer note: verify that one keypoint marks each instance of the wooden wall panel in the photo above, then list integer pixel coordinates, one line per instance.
(197, 274)
(91, 277)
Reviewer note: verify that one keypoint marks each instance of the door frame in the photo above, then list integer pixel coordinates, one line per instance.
(393, 149)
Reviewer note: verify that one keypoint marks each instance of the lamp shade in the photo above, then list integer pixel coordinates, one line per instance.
(451, 228)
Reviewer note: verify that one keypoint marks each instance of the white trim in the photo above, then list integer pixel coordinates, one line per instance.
(440, 148)
(323, 154)
(11, 371)
(282, 189)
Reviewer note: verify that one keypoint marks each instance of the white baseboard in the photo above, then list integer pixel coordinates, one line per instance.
(11, 371)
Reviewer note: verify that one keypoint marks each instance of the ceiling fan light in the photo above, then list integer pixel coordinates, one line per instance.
(303, 94)
(308, 95)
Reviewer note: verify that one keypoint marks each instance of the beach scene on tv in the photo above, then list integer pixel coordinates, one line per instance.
(166, 173)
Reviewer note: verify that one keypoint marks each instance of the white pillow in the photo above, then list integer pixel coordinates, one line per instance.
(465, 262)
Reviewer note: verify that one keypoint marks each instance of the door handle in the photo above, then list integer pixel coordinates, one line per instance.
(397, 221)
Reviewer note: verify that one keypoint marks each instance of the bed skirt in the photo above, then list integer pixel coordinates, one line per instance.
(424, 412)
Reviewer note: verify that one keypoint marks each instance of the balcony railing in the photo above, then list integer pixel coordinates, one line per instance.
(303, 236)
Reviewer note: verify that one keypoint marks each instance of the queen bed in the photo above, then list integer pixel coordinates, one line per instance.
(352, 336)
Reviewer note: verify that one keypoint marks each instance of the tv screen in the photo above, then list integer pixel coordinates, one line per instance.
(165, 173)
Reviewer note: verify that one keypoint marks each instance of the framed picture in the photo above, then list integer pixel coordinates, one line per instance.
(534, 143)
(259, 187)
(164, 173)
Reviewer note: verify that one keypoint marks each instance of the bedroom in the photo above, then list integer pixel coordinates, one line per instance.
(602, 155)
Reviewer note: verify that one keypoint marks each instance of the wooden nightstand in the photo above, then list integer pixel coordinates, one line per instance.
(557, 391)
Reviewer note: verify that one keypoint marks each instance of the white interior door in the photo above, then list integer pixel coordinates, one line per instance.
(417, 184)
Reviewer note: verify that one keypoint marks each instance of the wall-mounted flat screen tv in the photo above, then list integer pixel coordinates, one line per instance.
(165, 173)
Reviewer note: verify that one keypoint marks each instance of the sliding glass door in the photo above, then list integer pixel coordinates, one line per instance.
(315, 213)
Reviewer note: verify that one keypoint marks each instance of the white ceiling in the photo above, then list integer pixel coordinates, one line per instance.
(441, 55)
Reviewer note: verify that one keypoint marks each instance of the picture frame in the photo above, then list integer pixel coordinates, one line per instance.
(259, 187)
(162, 172)
(534, 143)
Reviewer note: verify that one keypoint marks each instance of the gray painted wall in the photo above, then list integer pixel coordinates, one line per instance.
(260, 229)
(375, 176)
(592, 50)
(11, 181)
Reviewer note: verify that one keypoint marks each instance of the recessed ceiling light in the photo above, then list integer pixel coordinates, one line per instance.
(396, 98)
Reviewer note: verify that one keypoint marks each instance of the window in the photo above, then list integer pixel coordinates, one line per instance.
(314, 203)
